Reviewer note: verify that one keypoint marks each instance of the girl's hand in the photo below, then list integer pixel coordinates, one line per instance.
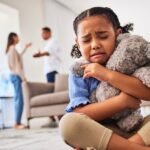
(95, 70)
(129, 101)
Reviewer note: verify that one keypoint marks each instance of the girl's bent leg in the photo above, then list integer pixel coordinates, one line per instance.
(119, 143)
(143, 137)
(137, 139)
(80, 131)
(144, 133)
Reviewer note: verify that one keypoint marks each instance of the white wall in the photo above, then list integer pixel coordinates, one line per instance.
(59, 18)
(31, 21)
(7, 24)
(134, 11)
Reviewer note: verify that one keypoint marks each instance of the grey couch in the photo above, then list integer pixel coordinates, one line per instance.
(46, 99)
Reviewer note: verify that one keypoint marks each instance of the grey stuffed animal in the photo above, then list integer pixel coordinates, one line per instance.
(131, 57)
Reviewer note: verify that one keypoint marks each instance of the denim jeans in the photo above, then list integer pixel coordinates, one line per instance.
(18, 100)
(51, 76)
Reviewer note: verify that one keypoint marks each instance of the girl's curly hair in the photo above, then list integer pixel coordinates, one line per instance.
(75, 52)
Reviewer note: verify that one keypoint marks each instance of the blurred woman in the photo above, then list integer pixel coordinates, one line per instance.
(16, 75)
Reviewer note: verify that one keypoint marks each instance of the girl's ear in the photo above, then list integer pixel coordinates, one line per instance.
(77, 42)
(118, 31)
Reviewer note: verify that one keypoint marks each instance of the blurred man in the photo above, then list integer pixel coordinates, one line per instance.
(52, 62)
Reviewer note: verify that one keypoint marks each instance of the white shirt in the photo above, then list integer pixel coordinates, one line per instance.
(53, 61)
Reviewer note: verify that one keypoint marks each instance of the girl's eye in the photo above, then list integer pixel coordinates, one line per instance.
(103, 36)
(86, 41)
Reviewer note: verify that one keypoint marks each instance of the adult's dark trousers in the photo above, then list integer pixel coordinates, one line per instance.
(51, 76)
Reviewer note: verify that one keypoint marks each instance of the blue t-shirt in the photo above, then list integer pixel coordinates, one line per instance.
(80, 90)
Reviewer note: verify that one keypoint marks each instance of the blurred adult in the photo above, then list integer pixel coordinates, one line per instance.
(52, 61)
(15, 65)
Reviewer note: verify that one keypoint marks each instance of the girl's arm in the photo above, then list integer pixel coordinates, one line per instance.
(129, 84)
(79, 100)
(125, 83)
(78, 92)
(106, 109)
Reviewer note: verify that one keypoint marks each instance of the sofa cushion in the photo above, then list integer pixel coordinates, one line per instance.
(50, 99)
(61, 82)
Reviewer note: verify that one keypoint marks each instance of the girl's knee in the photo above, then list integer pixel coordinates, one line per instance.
(79, 130)
(69, 126)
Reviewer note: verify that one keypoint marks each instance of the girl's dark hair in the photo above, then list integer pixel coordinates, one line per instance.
(127, 28)
(95, 11)
(75, 52)
(10, 40)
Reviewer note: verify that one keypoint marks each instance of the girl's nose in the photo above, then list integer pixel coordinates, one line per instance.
(95, 45)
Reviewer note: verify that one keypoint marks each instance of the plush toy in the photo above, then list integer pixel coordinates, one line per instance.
(131, 57)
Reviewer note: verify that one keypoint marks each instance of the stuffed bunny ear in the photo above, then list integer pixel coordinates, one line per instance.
(123, 36)
(148, 51)
(76, 69)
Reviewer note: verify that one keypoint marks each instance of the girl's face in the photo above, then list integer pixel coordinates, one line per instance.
(96, 39)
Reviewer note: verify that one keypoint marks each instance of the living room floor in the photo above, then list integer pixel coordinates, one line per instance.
(35, 138)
